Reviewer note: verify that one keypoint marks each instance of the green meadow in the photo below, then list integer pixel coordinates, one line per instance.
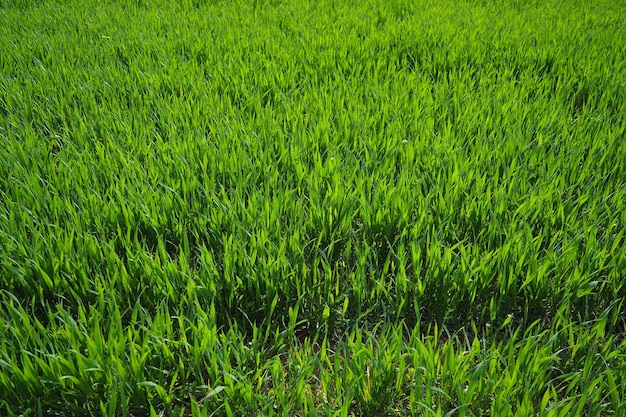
(312, 208)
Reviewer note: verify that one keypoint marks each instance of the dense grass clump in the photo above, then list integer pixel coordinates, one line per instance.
(338, 208)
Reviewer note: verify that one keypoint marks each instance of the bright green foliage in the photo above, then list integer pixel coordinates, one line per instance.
(301, 207)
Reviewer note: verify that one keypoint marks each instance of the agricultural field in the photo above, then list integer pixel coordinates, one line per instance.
(302, 207)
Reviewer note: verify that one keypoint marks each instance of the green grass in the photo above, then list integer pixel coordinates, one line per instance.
(334, 208)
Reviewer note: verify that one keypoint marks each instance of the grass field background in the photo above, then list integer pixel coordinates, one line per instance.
(335, 208)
